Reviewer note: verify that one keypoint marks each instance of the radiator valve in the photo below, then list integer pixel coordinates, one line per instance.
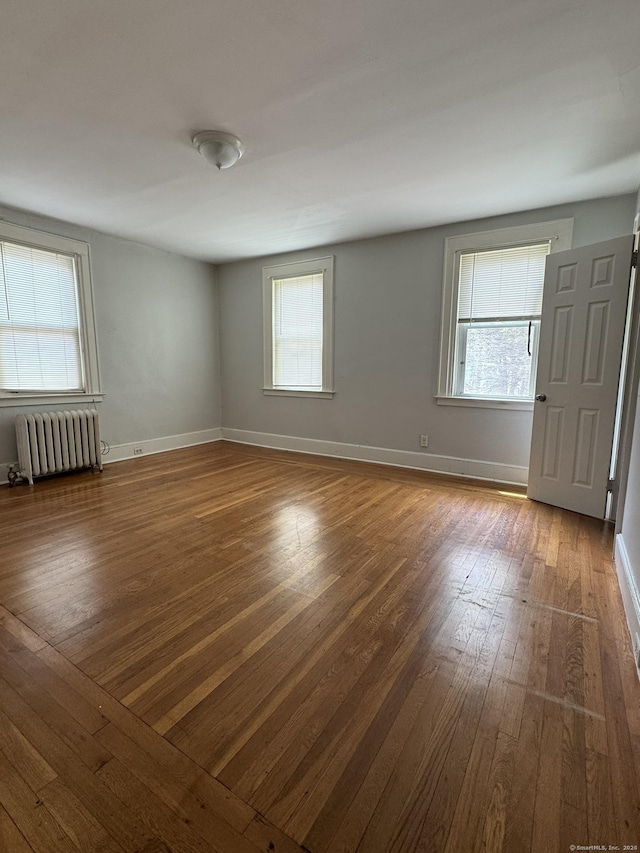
(14, 476)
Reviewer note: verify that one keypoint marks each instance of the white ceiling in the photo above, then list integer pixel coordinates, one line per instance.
(359, 117)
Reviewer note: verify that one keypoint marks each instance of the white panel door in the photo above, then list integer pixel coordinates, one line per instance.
(581, 334)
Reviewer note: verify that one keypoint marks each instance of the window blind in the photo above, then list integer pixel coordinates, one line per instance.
(502, 284)
(39, 320)
(297, 331)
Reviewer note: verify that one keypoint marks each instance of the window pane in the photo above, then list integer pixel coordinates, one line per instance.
(42, 359)
(297, 331)
(502, 283)
(497, 363)
(39, 320)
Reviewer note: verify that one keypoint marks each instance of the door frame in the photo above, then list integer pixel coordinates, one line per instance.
(630, 390)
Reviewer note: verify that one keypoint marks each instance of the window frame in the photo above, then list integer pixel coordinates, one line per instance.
(559, 233)
(314, 266)
(88, 339)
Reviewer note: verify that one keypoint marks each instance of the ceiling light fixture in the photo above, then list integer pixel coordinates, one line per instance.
(220, 149)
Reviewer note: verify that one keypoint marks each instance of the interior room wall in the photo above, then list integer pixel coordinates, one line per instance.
(157, 328)
(628, 540)
(387, 327)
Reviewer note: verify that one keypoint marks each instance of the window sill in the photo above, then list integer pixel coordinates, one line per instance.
(296, 392)
(21, 400)
(486, 403)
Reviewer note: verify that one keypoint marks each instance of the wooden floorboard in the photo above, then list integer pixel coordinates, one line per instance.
(229, 649)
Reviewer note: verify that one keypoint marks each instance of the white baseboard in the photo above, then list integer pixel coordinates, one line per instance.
(476, 469)
(120, 452)
(495, 472)
(629, 590)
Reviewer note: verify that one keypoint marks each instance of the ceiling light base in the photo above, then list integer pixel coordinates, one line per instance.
(220, 149)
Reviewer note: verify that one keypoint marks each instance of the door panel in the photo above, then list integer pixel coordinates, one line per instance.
(581, 334)
(586, 446)
(559, 372)
(595, 348)
(554, 423)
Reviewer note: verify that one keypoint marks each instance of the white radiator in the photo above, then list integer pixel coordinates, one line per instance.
(50, 442)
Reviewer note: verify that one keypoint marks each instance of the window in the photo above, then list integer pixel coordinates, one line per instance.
(491, 313)
(47, 336)
(298, 328)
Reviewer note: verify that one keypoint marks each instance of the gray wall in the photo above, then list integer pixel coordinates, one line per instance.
(157, 326)
(387, 328)
(630, 532)
(631, 520)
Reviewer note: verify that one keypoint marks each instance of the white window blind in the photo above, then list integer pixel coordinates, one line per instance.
(298, 331)
(40, 347)
(502, 284)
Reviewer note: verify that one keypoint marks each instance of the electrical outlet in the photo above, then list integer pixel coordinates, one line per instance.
(137, 450)
(424, 441)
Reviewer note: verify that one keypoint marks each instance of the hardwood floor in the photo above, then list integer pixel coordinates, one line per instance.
(233, 649)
